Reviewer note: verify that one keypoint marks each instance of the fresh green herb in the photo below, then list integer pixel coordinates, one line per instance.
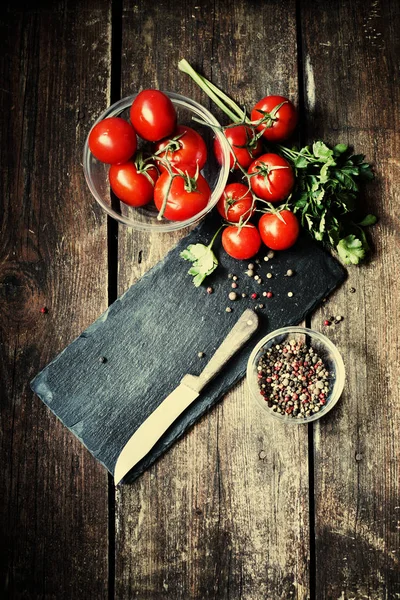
(325, 195)
(203, 259)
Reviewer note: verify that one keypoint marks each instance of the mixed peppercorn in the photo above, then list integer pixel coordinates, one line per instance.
(293, 379)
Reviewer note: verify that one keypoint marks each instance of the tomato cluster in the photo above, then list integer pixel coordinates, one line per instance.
(170, 175)
(269, 180)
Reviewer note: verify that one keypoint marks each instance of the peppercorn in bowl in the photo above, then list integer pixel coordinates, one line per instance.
(296, 374)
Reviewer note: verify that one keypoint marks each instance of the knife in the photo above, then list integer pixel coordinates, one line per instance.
(187, 391)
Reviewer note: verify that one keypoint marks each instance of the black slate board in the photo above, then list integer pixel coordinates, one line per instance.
(152, 334)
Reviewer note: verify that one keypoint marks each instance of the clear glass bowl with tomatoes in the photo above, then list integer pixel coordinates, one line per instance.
(215, 172)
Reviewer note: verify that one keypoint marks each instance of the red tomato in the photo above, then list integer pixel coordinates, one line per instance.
(279, 231)
(113, 141)
(131, 185)
(185, 146)
(241, 243)
(153, 115)
(244, 146)
(278, 123)
(272, 177)
(235, 202)
(182, 202)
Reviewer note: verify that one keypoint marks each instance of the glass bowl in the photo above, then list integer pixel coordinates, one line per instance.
(323, 347)
(145, 217)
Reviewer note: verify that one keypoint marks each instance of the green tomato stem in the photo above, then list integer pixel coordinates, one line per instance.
(185, 67)
(214, 238)
(241, 114)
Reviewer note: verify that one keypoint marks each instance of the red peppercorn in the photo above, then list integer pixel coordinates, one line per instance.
(269, 294)
(327, 323)
(254, 296)
(44, 310)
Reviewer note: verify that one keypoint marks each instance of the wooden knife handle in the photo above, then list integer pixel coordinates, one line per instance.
(236, 338)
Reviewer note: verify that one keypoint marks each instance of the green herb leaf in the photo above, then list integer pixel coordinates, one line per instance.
(203, 259)
(321, 150)
(300, 162)
(368, 220)
(340, 149)
(351, 250)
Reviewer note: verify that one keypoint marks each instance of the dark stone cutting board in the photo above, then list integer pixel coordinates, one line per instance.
(152, 334)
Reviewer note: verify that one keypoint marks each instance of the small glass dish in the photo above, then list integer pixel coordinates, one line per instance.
(145, 217)
(323, 347)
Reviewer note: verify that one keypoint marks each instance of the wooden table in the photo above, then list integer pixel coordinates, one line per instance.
(236, 510)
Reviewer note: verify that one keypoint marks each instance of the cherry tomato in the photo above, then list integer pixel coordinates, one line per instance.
(113, 141)
(272, 177)
(132, 185)
(183, 200)
(153, 115)
(244, 146)
(235, 202)
(241, 243)
(185, 146)
(279, 118)
(279, 231)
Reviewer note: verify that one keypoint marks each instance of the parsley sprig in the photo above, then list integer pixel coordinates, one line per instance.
(203, 259)
(325, 196)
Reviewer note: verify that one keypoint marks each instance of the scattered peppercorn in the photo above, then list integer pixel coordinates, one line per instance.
(228, 309)
(271, 254)
(293, 379)
(250, 273)
(264, 294)
(244, 295)
(102, 359)
(230, 275)
(232, 296)
(289, 273)
(254, 296)
(44, 310)
(250, 266)
(269, 275)
(210, 290)
(290, 294)
(327, 323)
(234, 278)
(200, 354)
(256, 277)
(261, 306)
(269, 294)
(234, 285)
(266, 258)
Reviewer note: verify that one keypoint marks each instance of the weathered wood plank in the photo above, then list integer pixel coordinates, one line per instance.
(55, 71)
(351, 52)
(224, 514)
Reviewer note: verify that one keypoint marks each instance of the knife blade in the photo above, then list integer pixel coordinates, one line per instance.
(190, 387)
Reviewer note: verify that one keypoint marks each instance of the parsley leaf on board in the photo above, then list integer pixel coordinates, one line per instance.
(203, 259)
(326, 193)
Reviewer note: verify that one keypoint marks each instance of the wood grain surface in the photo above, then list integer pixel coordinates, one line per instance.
(238, 509)
(55, 67)
(353, 97)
